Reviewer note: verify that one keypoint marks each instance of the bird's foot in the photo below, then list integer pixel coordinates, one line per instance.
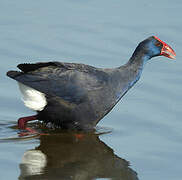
(28, 132)
(31, 132)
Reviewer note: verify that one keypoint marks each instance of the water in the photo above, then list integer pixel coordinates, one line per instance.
(145, 126)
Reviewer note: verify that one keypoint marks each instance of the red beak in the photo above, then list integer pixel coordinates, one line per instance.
(166, 50)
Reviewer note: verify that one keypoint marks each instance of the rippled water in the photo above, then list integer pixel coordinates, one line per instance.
(146, 127)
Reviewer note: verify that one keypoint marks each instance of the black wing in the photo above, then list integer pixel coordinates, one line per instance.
(70, 81)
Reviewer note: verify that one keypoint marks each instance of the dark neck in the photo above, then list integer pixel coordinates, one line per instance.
(133, 68)
(138, 59)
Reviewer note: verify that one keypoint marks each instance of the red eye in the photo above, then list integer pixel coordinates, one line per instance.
(158, 44)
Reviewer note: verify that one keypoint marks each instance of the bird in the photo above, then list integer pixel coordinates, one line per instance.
(74, 96)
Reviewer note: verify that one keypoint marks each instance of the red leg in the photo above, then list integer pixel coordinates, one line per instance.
(23, 121)
(79, 136)
(22, 125)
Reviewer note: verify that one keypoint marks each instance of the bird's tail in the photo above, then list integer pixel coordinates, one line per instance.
(13, 74)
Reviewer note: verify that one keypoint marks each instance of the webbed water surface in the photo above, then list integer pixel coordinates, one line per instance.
(143, 133)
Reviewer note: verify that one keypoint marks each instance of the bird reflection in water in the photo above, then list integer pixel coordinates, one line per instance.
(64, 156)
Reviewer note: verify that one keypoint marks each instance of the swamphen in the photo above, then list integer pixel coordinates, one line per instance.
(77, 96)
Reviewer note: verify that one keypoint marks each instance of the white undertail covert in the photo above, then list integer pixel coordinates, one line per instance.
(32, 98)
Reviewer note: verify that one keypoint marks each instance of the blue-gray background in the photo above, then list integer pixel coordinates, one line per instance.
(147, 127)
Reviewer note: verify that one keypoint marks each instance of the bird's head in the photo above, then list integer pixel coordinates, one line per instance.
(153, 46)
